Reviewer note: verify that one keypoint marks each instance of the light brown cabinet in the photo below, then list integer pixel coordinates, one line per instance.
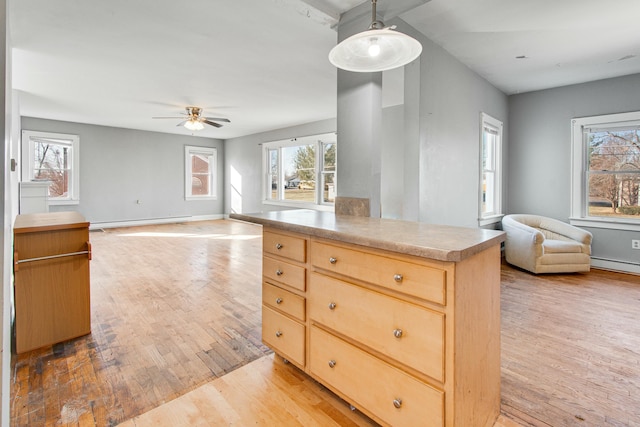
(408, 339)
(51, 279)
(284, 295)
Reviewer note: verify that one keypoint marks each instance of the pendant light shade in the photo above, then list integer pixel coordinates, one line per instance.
(379, 48)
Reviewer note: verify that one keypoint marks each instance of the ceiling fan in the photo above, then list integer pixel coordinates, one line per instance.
(194, 120)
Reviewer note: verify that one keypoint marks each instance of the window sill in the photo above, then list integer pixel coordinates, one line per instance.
(191, 198)
(299, 205)
(611, 224)
(493, 219)
(53, 202)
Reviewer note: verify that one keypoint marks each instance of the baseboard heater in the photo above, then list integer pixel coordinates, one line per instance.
(153, 221)
(615, 265)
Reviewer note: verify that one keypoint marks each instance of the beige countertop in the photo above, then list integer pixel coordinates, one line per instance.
(440, 242)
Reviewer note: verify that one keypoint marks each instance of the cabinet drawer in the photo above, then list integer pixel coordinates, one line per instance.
(369, 383)
(408, 333)
(284, 301)
(284, 335)
(291, 247)
(413, 279)
(283, 272)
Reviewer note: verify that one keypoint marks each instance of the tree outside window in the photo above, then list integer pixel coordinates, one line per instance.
(613, 172)
(296, 174)
(52, 157)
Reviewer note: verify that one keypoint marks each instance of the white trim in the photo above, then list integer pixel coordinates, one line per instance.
(624, 267)
(300, 205)
(28, 152)
(611, 224)
(491, 217)
(212, 154)
(152, 221)
(579, 210)
(318, 141)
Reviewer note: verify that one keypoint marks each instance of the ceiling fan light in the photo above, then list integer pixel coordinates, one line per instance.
(375, 50)
(193, 125)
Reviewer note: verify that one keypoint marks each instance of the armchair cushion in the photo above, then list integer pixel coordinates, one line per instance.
(545, 245)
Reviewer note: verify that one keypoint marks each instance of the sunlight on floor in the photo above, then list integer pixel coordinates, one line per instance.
(194, 236)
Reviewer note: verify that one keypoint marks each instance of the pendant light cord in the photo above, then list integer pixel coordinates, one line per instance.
(375, 24)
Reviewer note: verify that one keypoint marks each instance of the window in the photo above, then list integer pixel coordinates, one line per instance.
(490, 170)
(52, 157)
(200, 173)
(606, 170)
(296, 175)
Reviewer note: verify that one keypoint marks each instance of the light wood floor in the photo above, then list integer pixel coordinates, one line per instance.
(176, 306)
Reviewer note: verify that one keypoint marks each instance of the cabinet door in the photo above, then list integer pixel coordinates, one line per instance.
(408, 333)
(284, 335)
(371, 384)
(52, 302)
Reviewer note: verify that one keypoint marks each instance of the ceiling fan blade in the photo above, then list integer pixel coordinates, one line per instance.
(218, 119)
(182, 123)
(218, 125)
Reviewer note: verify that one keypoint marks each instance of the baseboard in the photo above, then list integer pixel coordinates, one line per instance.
(152, 221)
(623, 267)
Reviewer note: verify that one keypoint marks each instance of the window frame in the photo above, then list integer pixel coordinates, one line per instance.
(495, 125)
(212, 154)
(29, 138)
(319, 141)
(579, 170)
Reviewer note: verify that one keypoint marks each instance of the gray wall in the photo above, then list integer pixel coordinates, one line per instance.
(451, 100)
(120, 166)
(243, 165)
(539, 160)
(429, 150)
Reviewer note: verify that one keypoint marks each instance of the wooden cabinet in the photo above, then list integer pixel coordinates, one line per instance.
(51, 278)
(284, 287)
(408, 339)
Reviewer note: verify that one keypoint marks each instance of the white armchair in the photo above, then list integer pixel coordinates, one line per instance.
(545, 245)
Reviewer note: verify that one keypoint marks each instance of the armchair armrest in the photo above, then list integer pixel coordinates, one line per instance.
(567, 230)
(524, 243)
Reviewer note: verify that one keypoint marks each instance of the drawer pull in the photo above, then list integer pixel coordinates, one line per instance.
(332, 363)
(398, 278)
(333, 260)
(332, 306)
(279, 272)
(278, 334)
(397, 403)
(278, 300)
(397, 333)
(278, 246)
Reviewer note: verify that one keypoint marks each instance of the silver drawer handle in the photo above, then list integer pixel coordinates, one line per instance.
(333, 260)
(397, 403)
(398, 278)
(332, 363)
(279, 272)
(278, 300)
(397, 333)
(278, 246)
(332, 306)
(278, 334)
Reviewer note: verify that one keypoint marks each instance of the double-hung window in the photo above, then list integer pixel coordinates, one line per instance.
(490, 205)
(55, 158)
(200, 173)
(606, 171)
(301, 171)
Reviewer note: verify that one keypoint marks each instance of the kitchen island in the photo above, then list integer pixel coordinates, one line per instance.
(401, 319)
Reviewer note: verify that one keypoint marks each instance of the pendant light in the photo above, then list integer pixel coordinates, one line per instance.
(379, 48)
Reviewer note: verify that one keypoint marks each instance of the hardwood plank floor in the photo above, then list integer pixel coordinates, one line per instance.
(176, 306)
(173, 306)
(571, 348)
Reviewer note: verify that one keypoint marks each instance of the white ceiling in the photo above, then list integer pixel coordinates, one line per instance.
(263, 63)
